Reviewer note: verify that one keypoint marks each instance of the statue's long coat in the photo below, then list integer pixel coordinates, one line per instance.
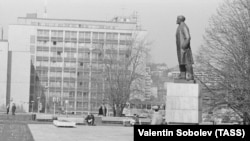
(183, 38)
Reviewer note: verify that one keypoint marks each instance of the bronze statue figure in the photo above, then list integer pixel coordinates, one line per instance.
(184, 52)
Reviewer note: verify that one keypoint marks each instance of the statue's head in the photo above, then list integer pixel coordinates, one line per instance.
(180, 19)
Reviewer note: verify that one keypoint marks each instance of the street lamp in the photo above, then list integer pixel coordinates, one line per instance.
(90, 75)
(38, 104)
(66, 104)
(54, 102)
(46, 97)
(32, 106)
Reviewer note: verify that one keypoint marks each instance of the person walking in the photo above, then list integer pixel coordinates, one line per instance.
(157, 118)
(102, 110)
(13, 109)
(8, 108)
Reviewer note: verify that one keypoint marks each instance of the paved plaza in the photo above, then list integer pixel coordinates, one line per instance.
(20, 128)
(49, 132)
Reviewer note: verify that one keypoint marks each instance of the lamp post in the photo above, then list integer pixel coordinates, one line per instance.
(38, 104)
(46, 98)
(54, 102)
(66, 104)
(90, 75)
(32, 106)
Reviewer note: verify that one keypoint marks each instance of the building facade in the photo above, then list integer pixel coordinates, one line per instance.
(3, 73)
(66, 59)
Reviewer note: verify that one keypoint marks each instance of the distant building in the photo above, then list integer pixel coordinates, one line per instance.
(148, 84)
(3, 74)
(60, 61)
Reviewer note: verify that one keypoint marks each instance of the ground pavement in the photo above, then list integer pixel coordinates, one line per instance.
(15, 128)
(42, 132)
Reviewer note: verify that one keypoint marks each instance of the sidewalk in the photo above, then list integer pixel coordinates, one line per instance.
(12, 130)
(19, 128)
(43, 132)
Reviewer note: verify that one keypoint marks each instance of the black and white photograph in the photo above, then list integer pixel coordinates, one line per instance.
(94, 70)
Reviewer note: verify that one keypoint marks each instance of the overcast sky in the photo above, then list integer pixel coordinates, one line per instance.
(158, 17)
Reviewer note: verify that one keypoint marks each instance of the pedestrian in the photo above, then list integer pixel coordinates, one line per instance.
(90, 119)
(157, 118)
(246, 118)
(8, 108)
(135, 120)
(13, 109)
(102, 110)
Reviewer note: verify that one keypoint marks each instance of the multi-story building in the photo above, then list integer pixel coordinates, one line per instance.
(66, 59)
(3, 73)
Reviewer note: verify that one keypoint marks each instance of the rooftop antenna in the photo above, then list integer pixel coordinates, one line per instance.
(45, 9)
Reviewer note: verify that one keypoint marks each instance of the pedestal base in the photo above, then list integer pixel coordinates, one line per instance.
(183, 103)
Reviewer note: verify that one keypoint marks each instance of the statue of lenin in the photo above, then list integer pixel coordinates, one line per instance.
(184, 52)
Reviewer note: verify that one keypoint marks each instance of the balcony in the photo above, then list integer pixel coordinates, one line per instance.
(42, 48)
(54, 68)
(57, 39)
(111, 51)
(70, 39)
(83, 50)
(69, 59)
(68, 88)
(69, 49)
(111, 41)
(42, 68)
(42, 58)
(84, 40)
(56, 59)
(42, 38)
(56, 48)
(98, 41)
(69, 69)
(69, 79)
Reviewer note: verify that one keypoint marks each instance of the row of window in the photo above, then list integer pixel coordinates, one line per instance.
(80, 45)
(85, 35)
(73, 25)
(94, 66)
(97, 56)
(83, 55)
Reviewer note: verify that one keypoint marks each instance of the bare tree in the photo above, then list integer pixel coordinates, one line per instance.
(124, 71)
(225, 55)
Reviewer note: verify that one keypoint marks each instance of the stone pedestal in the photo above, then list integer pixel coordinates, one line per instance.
(183, 103)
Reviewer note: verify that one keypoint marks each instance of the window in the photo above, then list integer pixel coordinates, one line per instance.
(70, 34)
(78, 104)
(95, 35)
(81, 35)
(32, 39)
(59, 53)
(112, 36)
(71, 94)
(87, 35)
(71, 104)
(43, 33)
(81, 63)
(95, 55)
(125, 36)
(81, 45)
(79, 94)
(57, 33)
(54, 43)
(101, 35)
(85, 94)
